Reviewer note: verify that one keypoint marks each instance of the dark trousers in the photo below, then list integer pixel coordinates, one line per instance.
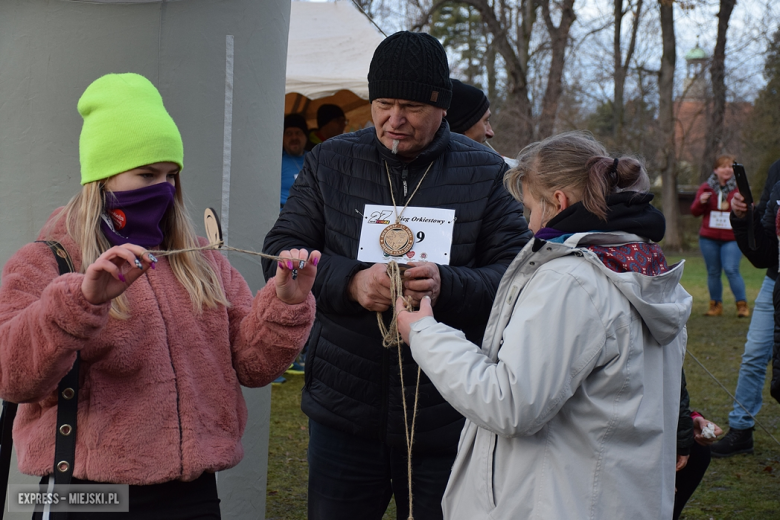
(175, 500)
(352, 477)
(688, 478)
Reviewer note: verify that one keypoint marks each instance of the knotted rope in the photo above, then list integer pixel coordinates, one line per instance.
(391, 337)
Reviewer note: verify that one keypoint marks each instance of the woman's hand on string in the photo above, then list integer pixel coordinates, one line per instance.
(406, 318)
(738, 206)
(114, 271)
(304, 266)
(705, 197)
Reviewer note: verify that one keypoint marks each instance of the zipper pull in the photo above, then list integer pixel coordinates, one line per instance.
(404, 175)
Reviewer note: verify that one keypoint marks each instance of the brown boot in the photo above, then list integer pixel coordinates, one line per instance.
(742, 309)
(716, 309)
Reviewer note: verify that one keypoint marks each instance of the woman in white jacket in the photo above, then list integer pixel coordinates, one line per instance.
(572, 400)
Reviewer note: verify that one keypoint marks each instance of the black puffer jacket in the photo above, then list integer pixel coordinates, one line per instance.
(765, 255)
(352, 382)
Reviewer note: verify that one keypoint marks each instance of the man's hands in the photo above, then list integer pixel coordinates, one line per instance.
(371, 287)
(422, 279)
(738, 206)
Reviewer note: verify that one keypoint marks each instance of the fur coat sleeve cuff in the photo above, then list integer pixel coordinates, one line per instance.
(274, 333)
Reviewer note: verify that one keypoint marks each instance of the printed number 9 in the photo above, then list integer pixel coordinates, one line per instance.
(420, 236)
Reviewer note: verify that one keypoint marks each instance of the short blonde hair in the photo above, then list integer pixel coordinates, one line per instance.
(83, 215)
(575, 162)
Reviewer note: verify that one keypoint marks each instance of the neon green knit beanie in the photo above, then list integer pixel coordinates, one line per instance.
(125, 126)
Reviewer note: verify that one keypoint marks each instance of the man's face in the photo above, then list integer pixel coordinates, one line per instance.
(294, 141)
(481, 131)
(413, 124)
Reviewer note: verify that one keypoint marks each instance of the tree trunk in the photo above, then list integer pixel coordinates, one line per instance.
(671, 210)
(718, 72)
(559, 38)
(621, 69)
(518, 103)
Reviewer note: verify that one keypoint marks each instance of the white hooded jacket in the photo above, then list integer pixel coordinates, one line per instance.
(572, 401)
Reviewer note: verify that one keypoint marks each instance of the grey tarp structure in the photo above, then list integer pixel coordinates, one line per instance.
(220, 67)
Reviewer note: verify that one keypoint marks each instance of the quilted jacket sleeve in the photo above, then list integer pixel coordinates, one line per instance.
(301, 224)
(44, 321)
(467, 293)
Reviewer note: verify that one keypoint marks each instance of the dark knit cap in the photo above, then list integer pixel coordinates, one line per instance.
(296, 121)
(327, 113)
(410, 66)
(468, 106)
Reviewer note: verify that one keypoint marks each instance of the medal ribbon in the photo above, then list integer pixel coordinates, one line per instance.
(392, 196)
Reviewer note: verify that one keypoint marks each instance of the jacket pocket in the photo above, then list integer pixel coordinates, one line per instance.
(492, 475)
(311, 352)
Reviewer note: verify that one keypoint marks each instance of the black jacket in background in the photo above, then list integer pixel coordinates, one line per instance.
(352, 382)
(765, 255)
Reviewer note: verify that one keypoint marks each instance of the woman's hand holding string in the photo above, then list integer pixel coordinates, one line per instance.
(295, 277)
(114, 271)
(406, 318)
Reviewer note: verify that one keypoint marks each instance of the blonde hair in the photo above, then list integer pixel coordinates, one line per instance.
(578, 164)
(83, 215)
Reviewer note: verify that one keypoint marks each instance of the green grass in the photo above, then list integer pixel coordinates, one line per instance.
(740, 487)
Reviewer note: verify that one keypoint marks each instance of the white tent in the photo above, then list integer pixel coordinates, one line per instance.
(328, 53)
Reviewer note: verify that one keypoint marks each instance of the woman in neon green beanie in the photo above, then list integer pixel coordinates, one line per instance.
(163, 344)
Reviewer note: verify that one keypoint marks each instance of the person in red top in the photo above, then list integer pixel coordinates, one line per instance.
(716, 239)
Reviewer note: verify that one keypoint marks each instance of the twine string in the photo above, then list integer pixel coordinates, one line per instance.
(220, 246)
(390, 337)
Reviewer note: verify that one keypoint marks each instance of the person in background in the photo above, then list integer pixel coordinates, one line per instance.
(695, 434)
(353, 392)
(716, 238)
(469, 112)
(331, 122)
(294, 143)
(164, 343)
(572, 398)
(765, 323)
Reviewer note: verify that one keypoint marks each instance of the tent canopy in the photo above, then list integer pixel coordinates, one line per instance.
(328, 53)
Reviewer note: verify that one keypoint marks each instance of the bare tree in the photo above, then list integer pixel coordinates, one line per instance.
(621, 67)
(559, 37)
(714, 139)
(673, 238)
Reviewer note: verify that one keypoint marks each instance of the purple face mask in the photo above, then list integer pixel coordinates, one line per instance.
(134, 216)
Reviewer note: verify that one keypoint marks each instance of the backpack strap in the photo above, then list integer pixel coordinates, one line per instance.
(67, 395)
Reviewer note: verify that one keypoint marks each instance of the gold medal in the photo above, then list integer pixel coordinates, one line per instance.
(396, 239)
(724, 206)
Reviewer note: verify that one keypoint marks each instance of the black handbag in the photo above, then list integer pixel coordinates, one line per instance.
(67, 408)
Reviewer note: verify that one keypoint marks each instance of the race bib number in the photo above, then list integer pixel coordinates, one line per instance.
(431, 229)
(720, 220)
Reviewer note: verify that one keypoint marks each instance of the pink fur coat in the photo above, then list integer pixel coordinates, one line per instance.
(160, 395)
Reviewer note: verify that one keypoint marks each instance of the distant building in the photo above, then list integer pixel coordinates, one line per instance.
(692, 114)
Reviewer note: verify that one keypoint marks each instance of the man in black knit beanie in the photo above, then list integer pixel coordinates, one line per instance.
(469, 112)
(409, 163)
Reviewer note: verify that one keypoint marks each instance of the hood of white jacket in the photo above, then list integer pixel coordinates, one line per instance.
(660, 300)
